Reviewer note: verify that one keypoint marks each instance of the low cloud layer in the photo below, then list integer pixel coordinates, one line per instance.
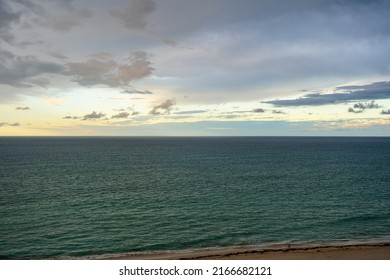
(135, 91)
(22, 108)
(379, 90)
(191, 112)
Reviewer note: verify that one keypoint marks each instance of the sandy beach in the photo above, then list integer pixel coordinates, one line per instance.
(379, 251)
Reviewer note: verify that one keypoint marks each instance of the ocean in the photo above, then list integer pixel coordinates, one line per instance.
(89, 197)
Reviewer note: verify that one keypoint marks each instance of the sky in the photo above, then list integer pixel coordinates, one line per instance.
(194, 68)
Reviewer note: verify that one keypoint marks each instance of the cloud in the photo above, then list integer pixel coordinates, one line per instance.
(277, 112)
(220, 128)
(58, 15)
(7, 18)
(351, 110)
(385, 112)
(134, 16)
(361, 107)
(105, 71)
(258, 110)
(23, 71)
(58, 55)
(122, 115)
(190, 112)
(23, 108)
(64, 21)
(355, 124)
(70, 118)
(164, 108)
(378, 90)
(93, 72)
(376, 85)
(364, 106)
(93, 116)
(9, 124)
(134, 91)
(130, 111)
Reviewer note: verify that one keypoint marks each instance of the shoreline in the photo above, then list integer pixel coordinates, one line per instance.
(371, 251)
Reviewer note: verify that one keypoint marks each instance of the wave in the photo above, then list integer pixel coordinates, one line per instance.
(193, 253)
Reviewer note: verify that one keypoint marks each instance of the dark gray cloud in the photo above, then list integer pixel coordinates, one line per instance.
(70, 118)
(385, 112)
(282, 13)
(376, 86)
(135, 15)
(367, 105)
(258, 110)
(122, 115)
(92, 72)
(59, 15)
(68, 19)
(285, 42)
(129, 111)
(164, 108)
(7, 18)
(58, 55)
(351, 110)
(379, 90)
(278, 112)
(364, 106)
(23, 71)
(106, 71)
(93, 116)
(361, 107)
(22, 108)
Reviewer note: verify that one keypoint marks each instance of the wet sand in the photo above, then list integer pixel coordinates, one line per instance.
(345, 252)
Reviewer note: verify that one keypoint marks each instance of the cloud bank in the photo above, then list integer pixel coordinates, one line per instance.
(378, 90)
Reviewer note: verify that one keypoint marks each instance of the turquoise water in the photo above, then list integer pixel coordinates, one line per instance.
(80, 197)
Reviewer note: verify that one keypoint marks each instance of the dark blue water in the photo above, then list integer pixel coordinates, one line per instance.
(77, 197)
